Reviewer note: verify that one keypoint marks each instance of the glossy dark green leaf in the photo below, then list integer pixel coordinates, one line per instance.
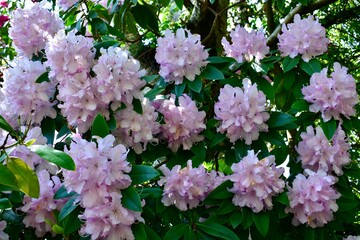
(105, 45)
(199, 150)
(311, 67)
(145, 16)
(195, 85)
(131, 200)
(289, 63)
(5, 203)
(179, 3)
(300, 105)
(137, 106)
(63, 193)
(241, 150)
(151, 234)
(267, 88)
(5, 125)
(26, 177)
(216, 59)
(236, 219)
(179, 89)
(218, 138)
(176, 232)
(212, 73)
(71, 222)
(273, 137)
(262, 222)
(217, 231)
(151, 192)
(55, 156)
(100, 127)
(221, 191)
(68, 207)
(48, 129)
(247, 218)
(328, 128)
(278, 119)
(139, 231)
(142, 173)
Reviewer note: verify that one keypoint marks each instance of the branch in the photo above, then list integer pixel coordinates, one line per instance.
(341, 17)
(269, 16)
(298, 9)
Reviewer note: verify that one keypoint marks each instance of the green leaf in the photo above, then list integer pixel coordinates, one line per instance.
(267, 88)
(199, 150)
(7, 178)
(176, 232)
(218, 138)
(247, 218)
(142, 173)
(151, 234)
(131, 200)
(212, 73)
(300, 105)
(105, 45)
(48, 129)
(5, 203)
(226, 207)
(63, 193)
(151, 192)
(278, 119)
(195, 85)
(273, 137)
(68, 207)
(179, 3)
(100, 25)
(221, 191)
(137, 106)
(43, 78)
(71, 222)
(217, 230)
(179, 89)
(139, 231)
(145, 16)
(55, 156)
(216, 59)
(241, 150)
(57, 229)
(283, 198)
(328, 128)
(27, 179)
(236, 219)
(262, 222)
(5, 125)
(289, 63)
(100, 127)
(311, 67)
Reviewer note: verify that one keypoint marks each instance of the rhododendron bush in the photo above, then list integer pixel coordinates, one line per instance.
(250, 140)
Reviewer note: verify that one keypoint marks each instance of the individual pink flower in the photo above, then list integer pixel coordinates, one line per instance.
(312, 199)
(183, 122)
(246, 45)
(180, 56)
(4, 3)
(31, 28)
(137, 130)
(332, 95)
(242, 112)
(26, 98)
(305, 37)
(39, 210)
(316, 152)
(118, 77)
(256, 182)
(3, 20)
(3, 235)
(186, 188)
(66, 4)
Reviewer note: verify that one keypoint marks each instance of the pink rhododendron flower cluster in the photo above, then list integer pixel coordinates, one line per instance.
(3, 20)
(3, 235)
(180, 56)
(39, 210)
(246, 45)
(31, 28)
(305, 36)
(70, 58)
(135, 130)
(118, 77)
(101, 172)
(333, 95)
(66, 4)
(312, 199)
(242, 112)
(317, 153)
(23, 96)
(183, 122)
(256, 182)
(4, 3)
(186, 188)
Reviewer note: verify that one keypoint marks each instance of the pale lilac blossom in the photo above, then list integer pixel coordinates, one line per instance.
(332, 95)
(305, 37)
(32, 27)
(183, 122)
(316, 152)
(23, 96)
(118, 77)
(66, 4)
(136, 130)
(187, 187)
(245, 45)
(39, 210)
(242, 112)
(256, 182)
(312, 199)
(180, 56)
(3, 235)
